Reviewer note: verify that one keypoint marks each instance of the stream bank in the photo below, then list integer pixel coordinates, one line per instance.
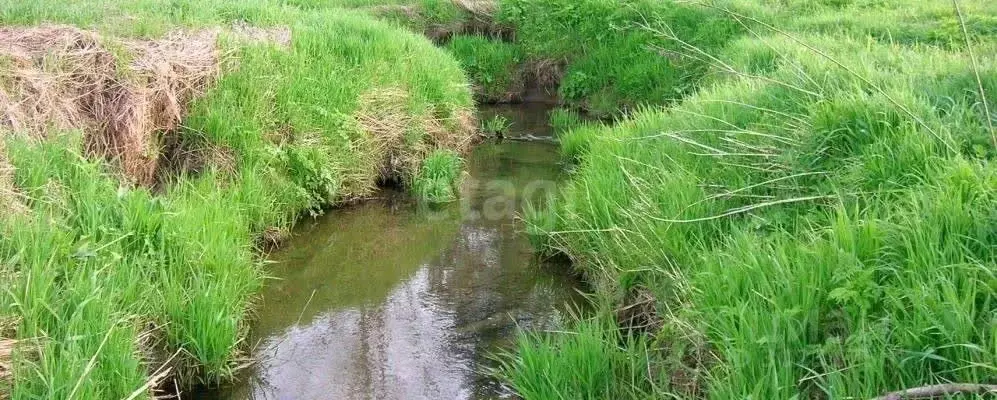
(392, 299)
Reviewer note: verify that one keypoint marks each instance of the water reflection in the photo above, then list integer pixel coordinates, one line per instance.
(388, 300)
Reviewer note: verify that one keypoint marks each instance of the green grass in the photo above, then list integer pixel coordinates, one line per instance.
(610, 62)
(587, 364)
(439, 177)
(564, 119)
(496, 126)
(492, 65)
(107, 275)
(811, 224)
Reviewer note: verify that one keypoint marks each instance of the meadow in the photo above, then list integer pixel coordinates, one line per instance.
(769, 200)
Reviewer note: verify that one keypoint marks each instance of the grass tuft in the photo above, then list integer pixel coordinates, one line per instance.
(438, 178)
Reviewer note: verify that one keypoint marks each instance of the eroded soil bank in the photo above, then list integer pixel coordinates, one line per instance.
(392, 300)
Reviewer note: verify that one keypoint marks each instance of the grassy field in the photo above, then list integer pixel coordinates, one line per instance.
(115, 286)
(810, 215)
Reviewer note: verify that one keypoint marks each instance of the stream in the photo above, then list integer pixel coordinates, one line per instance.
(390, 299)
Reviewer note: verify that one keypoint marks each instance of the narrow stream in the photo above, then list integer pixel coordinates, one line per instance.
(390, 299)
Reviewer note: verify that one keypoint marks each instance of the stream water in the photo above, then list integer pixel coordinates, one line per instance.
(389, 299)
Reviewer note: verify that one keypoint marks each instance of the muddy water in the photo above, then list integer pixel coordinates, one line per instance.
(392, 300)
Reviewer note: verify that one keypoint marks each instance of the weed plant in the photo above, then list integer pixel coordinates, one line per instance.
(496, 126)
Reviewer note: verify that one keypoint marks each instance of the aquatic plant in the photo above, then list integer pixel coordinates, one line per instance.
(497, 125)
(438, 178)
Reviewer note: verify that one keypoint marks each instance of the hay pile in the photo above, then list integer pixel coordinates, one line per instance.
(10, 198)
(7, 326)
(401, 140)
(124, 95)
(6, 348)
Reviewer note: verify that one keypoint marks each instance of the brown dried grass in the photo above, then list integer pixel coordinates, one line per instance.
(10, 198)
(544, 73)
(638, 313)
(7, 326)
(6, 349)
(384, 117)
(280, 35)
(59, 77)
(383, 114)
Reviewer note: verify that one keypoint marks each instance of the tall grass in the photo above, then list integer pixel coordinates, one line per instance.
(816, 221)
(610, 62)
(494, 66)
(109, 278)
(593, 362)
(438, 178)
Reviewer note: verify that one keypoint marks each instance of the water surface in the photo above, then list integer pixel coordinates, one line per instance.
(390, 299)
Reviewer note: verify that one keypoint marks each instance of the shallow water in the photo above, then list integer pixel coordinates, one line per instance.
(392, 300)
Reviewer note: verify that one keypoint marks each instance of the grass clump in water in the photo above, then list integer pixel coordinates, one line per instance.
(590, 363)
(438, 178)
(564, 119)
(496, 126)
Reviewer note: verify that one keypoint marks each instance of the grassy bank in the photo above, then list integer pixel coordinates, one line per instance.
(117, 286)
(814, 219)
(591, 55)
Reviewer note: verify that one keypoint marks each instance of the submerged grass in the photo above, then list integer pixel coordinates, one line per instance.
(108, 279)
(816, 221)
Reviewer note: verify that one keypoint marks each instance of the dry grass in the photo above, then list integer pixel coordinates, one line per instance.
(10, 197)
(65, 78)
(7, 327)
(384, 117)
(278, 35)
(544, 74)
(6, 348)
